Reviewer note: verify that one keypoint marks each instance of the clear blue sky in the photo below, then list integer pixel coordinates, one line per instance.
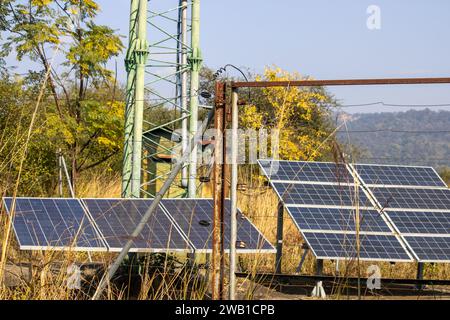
(325, 39)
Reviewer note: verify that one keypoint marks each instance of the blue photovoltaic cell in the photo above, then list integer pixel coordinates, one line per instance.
(194, 217)
(430, 248)
(117, 219)
(324, 195)
(305, 171)
(421, 221)
(412, 198)
(45, 223)
(399, 175)
(337, 219)
(372, 247)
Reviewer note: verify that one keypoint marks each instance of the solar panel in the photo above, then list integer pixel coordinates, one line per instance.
(430, 249)
(337, 219)
(117, 218)
(194, 217)
(323, 195)
(421, 221)
(277, 170)
(413, 198)
(399, 175)
(53, 224)
(343, 246)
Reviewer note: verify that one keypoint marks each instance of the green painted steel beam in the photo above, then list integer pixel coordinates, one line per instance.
(130, 65)
(195, 61)
(140, 54)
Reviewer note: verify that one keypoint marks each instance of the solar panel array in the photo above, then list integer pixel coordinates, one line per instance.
(398, 175)
(107, 224)
(193, 216)
(417, 202)
(303, 171)
(41, 224)
(407, 216)
(372, 247)
(117, 218)
(325, 204)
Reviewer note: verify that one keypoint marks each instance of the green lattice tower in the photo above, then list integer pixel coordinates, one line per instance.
(163, 62)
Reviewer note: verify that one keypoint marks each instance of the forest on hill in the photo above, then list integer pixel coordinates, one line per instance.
(413, 137)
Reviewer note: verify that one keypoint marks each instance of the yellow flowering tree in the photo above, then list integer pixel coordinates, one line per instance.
(299, 113)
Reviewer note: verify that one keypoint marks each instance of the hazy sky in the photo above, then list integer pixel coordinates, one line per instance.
(325, 39)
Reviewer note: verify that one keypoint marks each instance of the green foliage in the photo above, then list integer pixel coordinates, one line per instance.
(99, 134)
(82, 117)
(96, 47)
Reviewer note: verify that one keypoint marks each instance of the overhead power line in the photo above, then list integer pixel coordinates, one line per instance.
(394, 131)
(381, 103)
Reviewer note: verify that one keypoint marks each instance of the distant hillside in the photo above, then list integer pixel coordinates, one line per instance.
(388, 145)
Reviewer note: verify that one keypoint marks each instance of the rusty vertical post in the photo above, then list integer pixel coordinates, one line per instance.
(218, 193)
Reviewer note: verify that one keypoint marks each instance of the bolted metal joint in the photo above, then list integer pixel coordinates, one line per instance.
(141, 51)
(195, 60)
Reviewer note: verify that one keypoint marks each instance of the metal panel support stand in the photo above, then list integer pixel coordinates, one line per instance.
(279, 255)
(217, 260)
(302, 260)
(420, 269)
(319, 267)
(233, 193)
(318, 290)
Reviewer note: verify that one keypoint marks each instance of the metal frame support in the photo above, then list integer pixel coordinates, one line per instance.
(318, 290)
(279, 254)
(130, 65)
(319, 267)
(302, 260)
(66, 172)
(184, 89)
(420, 270)
(140, 55)
(60, 173)
(233, 192)
(195, 61)
(217, 260)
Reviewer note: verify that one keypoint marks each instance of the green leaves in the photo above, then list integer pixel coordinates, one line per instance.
(96, 47)
(81, 116)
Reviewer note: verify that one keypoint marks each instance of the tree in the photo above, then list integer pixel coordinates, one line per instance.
(86, 128)
(299, 114)
(4, 25)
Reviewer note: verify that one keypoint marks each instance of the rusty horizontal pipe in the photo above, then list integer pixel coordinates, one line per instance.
(339, 82)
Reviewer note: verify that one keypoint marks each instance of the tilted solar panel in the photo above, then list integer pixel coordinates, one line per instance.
(399, 175)
(278, 170)
(412, 198)
(337, 219)
(420, 221)
(343, 246)
(117, 219)
(53, 224)
(430, 249)
(323, 195)
(194, 217)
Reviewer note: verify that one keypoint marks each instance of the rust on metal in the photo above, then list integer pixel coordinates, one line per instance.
(218, 185)
(339, 82)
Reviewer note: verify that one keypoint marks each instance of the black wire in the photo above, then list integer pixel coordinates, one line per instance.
(224, 68)
(394, 131)
(382, 103)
